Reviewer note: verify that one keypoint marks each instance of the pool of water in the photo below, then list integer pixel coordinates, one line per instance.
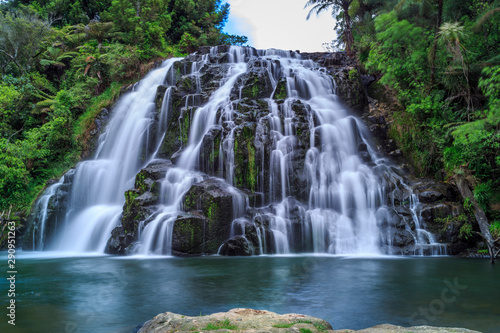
(57, 293)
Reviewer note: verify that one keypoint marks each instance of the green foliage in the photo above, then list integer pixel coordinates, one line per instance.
(400, 55)
(483, 194)
(495, 229)
(218, 325)
(465, 231)
(58, 74)
(440, 58)
(451, 219)
(13, 175)
(104, 100)
(21, 36)
(468, 206)
(8, 96)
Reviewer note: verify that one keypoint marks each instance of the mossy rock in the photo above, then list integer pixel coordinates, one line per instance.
(189, 235)
(350, 89)
(213, 198)
(246, 169)
(281, 91)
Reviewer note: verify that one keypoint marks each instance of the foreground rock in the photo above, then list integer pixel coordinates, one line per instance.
(262, 321)
(236, 320)
(386, 328)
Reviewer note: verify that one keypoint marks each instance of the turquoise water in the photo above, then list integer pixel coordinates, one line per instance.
(114, 294)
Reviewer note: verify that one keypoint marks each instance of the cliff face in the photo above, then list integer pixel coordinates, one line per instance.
(238, 216)
(252, 152)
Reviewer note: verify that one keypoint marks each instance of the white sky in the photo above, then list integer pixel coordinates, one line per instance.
(280, 24)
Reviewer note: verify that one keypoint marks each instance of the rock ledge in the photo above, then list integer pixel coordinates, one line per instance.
(262, 321)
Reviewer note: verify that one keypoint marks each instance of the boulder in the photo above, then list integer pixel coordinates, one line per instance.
(250, 320)
(120, 242)
(237, 246)
(240, 320)
(189, 235)
(216, 201)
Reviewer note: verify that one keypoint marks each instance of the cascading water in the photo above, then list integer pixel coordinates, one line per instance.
(178, 180)
(300, 186)
(96, 199)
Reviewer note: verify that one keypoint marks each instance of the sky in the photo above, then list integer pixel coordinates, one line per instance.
(280, 24)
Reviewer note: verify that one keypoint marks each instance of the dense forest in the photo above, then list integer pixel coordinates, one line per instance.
(440, 61)
(63, 61)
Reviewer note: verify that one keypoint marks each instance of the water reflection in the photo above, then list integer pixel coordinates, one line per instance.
(103, 294)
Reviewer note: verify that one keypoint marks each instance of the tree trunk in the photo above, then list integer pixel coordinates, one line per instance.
(436, 37)
(481, 219)
(349, 41)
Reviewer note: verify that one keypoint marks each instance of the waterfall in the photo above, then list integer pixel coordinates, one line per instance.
(301, 185)
(96, 198)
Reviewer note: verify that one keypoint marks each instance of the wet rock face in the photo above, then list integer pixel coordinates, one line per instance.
(56, 206)
(255, 83)
(213, 202)
(350, 88)
(189, 232)
(94, 131)
(430, 191)
(140, 204)
(249, 148)
(237, 246)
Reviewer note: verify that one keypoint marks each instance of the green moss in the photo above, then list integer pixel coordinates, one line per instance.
(189, 202)
(139, 181)
(251, 89)
(187, 228)
(187, 84)
(281, 90)
(353, 74)
(104, 100)
(252, 179)
(214, 154)
(211, 213)
(218, 325)
(184, 128)
(130, 196)
(318, 325)
(255, 91)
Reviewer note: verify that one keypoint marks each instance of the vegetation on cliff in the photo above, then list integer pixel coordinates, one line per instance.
(440, 58)
(63, 61)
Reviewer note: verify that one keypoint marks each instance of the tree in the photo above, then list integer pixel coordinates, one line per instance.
(64, 12)
(21, 36)
(336, 6)
(425, 10)
(450, 34)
